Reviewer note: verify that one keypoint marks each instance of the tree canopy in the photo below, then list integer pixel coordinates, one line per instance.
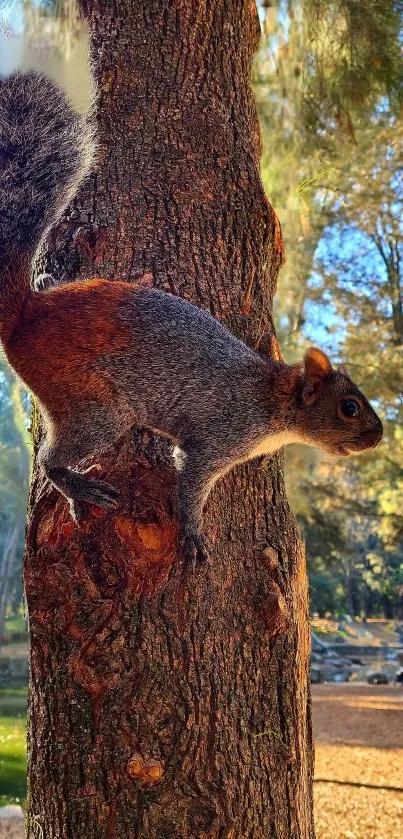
(330, 101)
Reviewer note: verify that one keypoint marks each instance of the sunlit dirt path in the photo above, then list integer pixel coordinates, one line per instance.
(359, 761)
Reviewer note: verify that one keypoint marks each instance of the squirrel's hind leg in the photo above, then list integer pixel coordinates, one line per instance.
(68, 446)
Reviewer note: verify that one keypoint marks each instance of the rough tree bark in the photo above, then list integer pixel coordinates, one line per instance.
(166, 702)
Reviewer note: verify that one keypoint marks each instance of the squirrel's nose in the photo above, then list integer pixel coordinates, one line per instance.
(373, 437)
(379, 429)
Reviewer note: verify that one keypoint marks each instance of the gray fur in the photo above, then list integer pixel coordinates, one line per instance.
(46, 150)
(202, 358)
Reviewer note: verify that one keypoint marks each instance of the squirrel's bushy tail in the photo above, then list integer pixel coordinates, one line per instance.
(46, 150)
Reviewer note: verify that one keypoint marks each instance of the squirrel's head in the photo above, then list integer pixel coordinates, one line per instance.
(332, 413)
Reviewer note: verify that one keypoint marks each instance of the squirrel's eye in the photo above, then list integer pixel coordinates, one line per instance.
(350, 408)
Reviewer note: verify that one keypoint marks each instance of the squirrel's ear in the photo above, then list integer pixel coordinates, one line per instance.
(315, 369)
(316, 364)
(342, 369)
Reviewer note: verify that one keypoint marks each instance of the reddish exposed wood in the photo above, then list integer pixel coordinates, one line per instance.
(166, 702)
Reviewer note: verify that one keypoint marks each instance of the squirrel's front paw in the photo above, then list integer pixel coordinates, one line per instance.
(195, 547)
(99, 493)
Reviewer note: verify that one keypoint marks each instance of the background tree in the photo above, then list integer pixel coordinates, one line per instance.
(358, 273)
(332, 168)
(166, 702)
(15, 453)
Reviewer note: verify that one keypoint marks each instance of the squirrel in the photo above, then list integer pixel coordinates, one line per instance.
(101, 356)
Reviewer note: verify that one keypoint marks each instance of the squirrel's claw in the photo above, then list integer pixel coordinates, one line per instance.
(96, 492)
(101, 494)
(195, 548)
(77, 511)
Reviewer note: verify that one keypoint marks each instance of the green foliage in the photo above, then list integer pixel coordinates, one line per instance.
(13, 785)
(15, 623)
(352, 60)
(277, 79)
(329, 95)
(326, 594)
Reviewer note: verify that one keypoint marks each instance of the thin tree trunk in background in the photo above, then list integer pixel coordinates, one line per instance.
(349, 577)
(7, 564)
(166, 702)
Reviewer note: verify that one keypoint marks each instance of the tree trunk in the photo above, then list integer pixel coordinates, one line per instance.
(350, 588)
(7, 564)
(388, 607)
(165, 701)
